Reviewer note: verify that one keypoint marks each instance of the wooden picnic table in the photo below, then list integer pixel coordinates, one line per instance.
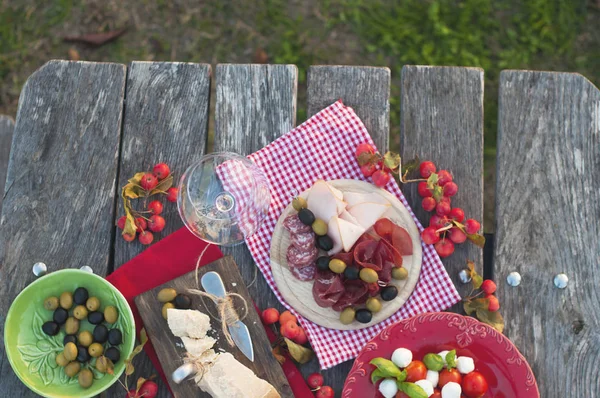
(83, 128)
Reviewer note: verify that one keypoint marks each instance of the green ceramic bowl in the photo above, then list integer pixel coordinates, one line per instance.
(32, 353)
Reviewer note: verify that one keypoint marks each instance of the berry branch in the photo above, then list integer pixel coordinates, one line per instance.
(484, 308)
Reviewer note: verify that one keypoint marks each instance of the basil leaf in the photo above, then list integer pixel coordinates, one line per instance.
(451, 359)
(402, 376)
(412, 390)
(376, 376)
(387, 367)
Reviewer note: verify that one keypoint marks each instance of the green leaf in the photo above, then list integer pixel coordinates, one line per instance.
(143, 336)
(438, 193)
(391, 160)
(137, 178)
(140, 382)
(432, 181)
(129, 369)
(163, 185)
(299, 353)
(408, 167)
(471, 306)
(451, 359)
(494, 319)
(476, 279)
(387, 367)
(376, 375)
(130, 227)
(411, 389)
(479, 240)
(403, 376)
(133, 191)
(433, 362)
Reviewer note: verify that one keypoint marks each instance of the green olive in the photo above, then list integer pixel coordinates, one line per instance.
(347, 316)
(86, 378)
(92, 304)
(166, 295)
(80, 312)
(299, 203)
(70, 351)
(102, 364)
(51, 303)
(369, 275)
(373, 304)
(319, 227)
(61, 360)
(66, 300)
(85, 338)
(72, 369)
(399, 273)
(337, 265)
(111, 314)
(72, 325)
(96, 350)
(165, 308)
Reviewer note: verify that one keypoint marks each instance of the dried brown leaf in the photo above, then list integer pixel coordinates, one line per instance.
(299, 353)
(129, 369)
(277, 354)
(471, 306)
(96, 39)
(391, 160)
(163, 185)
(479, 240)
(139, 384)
(137, 178)
(494, 319)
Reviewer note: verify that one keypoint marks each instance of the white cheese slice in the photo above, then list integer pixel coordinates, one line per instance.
(323, 202)
(197, 347)
(229, 378)
(343, 233)
(188, 323)
(368, 213)
(333, 231)
(354, 198)
(348, 217)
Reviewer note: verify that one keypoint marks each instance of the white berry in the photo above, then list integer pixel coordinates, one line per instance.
(451, 390)
(465, 365)
(443, 355)
(402, 357)
(433, 377)
(388, 388)
(426, 386)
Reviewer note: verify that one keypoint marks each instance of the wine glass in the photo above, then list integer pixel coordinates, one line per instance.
(223, 198)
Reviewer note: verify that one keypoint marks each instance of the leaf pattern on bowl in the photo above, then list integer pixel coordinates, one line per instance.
(123, 323)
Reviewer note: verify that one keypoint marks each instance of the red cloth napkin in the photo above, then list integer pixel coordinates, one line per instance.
(168, 259)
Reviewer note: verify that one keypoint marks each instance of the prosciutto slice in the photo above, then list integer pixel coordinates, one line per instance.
(356, 292)
(327, 289)
(396, 236)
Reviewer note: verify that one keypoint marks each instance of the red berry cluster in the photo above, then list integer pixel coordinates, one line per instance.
(373, 165)
(446, 226)
(150, 220)
(489, 288)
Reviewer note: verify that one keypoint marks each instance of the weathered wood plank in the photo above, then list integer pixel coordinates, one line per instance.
(60, 185)
(547, 222)
(442, 121)
(165, 120)
(365, 89)
(7, 125)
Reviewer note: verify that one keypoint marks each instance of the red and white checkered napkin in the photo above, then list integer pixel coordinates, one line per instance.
(323, 148)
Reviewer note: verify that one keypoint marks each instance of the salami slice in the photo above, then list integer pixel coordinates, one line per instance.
(293, 224)
(304, 240)
(299, 258)
(304, 273)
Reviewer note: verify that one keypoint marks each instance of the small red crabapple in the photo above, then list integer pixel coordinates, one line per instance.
(364, 147)
(446, 199)
(148, 390)
(430, 236)
(381, 178)
(141, 224)
(156, 224)
(428, 204)
(121, 222)
(128, 237)
(444, 248)
(437, 222)
(161, 171)
(270, 316)
(172, 194)
(450, 189)
(368, 169)
(287, 316)
(146, 237)
(290, 330)
(442, 209)
(457, 214)
(488, 286)
(148, 181)
(472, 226)
(456, 235)
(325, 392)
(444, 177)
(426, 168)
(301, 338)
(423, 191)
(315, 380)
(494, 303)
(155, 207)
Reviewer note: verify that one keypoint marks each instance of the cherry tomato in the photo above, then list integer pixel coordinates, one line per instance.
(474, 385)
(436, 394)
(401, 395)
(415, 371)
(446, 376)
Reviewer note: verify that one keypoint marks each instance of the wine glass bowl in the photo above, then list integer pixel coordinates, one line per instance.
(223, 198)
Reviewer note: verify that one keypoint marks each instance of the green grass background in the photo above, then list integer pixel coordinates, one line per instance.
(559, 35)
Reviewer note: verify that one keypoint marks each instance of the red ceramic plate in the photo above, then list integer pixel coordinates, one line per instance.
(506, 371)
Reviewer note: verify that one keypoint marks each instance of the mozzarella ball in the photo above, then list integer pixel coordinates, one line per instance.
(388, 388)
(402, 357)
(433, 377)
(465, 365)
(426, 386)
(443, 355)
(451, 390)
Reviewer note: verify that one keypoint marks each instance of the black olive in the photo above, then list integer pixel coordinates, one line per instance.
(82, 354)
(80, 295)
(115, 337)
(60, 315)
(351, 273)
(70, 338)
(113, 354)
(306, 216)
(325, 243)
(50, 328)
(100, 334)
(364, 316)
(183, 302)
(389, 293)
(96, 317)
(323, 263)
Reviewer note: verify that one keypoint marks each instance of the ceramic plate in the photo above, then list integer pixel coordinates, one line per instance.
(505, 369)
(32, 353)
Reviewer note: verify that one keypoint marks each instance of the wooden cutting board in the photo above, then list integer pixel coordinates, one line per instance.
(170, 348)
(299, 293)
